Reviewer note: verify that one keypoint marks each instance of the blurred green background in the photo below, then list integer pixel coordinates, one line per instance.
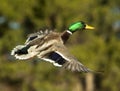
(99, 49)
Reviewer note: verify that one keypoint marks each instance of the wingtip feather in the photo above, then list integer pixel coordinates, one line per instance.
(76, 66)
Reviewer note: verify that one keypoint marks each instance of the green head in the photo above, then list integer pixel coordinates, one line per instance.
(79, 26)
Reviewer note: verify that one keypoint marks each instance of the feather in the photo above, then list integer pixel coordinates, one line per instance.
(39, 35)
(23, 52)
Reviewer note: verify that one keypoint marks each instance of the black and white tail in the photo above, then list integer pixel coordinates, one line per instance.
(23, 52)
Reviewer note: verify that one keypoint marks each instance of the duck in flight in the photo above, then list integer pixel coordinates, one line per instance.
(50, 46)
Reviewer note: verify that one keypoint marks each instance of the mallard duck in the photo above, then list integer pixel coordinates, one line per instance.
(49, 46)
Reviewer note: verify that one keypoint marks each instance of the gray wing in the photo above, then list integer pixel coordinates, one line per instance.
(62, 58)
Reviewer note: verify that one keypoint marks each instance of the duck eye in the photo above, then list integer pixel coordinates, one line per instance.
(83, 23)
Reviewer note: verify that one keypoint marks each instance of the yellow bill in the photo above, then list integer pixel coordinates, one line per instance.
(89, 27)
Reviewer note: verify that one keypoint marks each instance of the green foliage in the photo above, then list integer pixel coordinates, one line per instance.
(99, 50)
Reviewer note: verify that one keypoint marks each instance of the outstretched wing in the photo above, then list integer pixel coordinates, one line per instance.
(62, 58)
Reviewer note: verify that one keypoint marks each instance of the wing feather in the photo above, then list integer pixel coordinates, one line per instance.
(70, 62)
(37, 36)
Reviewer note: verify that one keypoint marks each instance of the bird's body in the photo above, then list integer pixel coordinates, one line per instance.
(49, 46)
